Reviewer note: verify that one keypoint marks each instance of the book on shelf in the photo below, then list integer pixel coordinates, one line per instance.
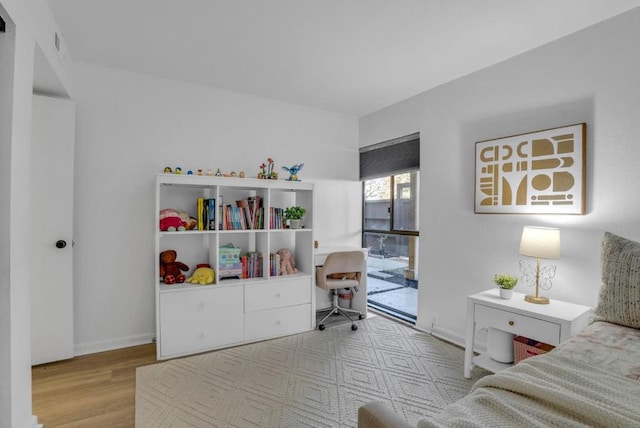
(274, 264)
(221, 219)
(235, 221)
(211, 214)
(201, 213)
(277, 218)
(206, 209)
(246, 214)
(255, 211)
(251, 265)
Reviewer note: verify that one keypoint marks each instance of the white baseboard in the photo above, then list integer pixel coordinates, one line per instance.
(456, 339)
(447, 335)
(110, 345)
(34, 422)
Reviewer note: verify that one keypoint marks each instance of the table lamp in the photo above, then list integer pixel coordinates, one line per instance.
(541, 243)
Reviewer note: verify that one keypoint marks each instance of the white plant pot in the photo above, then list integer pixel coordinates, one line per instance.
(294, 224)
(506, 294)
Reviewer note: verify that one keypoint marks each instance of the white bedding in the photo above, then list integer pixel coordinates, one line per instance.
(613, 348)
(550, 390)
(576, 385)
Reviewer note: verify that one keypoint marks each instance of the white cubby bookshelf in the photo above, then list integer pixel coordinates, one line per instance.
(192, 318)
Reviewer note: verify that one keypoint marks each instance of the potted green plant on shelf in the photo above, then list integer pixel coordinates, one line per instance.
(294, 215)
(506, 283)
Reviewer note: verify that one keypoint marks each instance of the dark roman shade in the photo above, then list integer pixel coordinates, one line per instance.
(390, 157)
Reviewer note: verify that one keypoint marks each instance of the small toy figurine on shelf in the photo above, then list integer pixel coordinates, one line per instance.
(178, 170)
(293, 171)
(167, 170)
(218, 173)
(199, 171)
(266, 170)
(210, 172)
(189, 172)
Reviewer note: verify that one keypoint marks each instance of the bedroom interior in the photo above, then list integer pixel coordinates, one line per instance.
(133, 120)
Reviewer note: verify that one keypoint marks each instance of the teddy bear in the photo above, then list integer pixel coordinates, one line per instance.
(287, 263)
(203, 275)
(170, 269)
(170, 220)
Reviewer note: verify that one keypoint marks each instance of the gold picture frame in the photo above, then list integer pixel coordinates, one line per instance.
(541, 172)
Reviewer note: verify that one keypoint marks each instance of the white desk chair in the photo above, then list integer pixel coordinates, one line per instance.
(340, 270)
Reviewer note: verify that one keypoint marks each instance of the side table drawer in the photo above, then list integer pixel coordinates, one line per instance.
(533, 328)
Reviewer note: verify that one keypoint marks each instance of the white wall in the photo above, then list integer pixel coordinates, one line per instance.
(129, 127)
(34, 25)
(591, 76)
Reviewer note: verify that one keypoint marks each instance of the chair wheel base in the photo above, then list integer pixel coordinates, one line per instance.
(354, 327)
(321, 327)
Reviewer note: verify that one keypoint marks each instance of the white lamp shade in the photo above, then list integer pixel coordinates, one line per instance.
(541, 242)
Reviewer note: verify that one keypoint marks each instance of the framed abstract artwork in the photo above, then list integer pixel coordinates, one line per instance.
(541, 172)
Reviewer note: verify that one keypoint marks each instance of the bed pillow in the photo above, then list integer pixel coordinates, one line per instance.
(619, 300)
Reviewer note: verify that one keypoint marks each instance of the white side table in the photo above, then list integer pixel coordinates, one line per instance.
(552, 323)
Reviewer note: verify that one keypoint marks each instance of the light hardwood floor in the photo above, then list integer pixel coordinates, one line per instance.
(96, 390)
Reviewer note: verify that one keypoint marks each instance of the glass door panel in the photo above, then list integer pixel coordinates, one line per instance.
(377, 204)
(405, 202)
(390, 232)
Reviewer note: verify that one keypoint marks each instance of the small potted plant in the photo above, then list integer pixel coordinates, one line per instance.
(294, 215)
(506, 283)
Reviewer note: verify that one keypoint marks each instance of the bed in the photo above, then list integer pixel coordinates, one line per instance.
(593, 379)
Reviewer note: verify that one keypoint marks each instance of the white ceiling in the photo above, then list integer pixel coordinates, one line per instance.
(348, 56)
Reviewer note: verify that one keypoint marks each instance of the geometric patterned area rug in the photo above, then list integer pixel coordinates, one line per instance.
(313, 379)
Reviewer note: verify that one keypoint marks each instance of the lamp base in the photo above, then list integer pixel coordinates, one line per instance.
(537, 299)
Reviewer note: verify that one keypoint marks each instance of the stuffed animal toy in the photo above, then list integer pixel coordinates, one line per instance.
(202, 275)
(170, 220)
(287, 263)
(189, 222)
(170, 269)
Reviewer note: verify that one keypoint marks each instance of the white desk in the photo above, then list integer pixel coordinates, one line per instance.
(323, 297)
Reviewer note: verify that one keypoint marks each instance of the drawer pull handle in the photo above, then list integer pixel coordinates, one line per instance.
(511, 323)
(277, 294)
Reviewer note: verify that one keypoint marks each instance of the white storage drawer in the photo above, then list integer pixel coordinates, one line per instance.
(277, 322)
(533, 328)
(277, 294)
(200, 319)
